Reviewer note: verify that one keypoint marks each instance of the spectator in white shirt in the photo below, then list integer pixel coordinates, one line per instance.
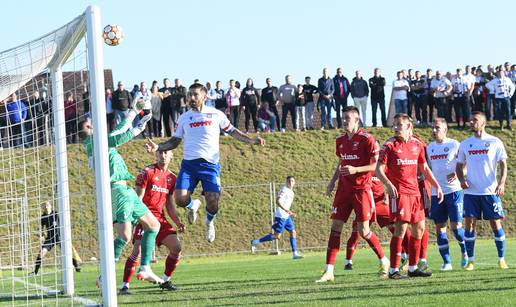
(504, 89)
(400, 88)
(441, 88)
(460, 97)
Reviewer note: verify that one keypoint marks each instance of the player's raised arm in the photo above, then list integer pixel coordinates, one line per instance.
(171, 144)
(239, 135)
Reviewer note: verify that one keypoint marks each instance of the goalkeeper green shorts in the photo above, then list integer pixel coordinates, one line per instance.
(126, 205)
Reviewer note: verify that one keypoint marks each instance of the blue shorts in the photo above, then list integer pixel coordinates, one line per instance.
(193, 171)
(452, 207)
(488, 207)
(280, 225)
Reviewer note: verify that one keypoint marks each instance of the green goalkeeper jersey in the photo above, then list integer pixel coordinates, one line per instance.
(117, 168)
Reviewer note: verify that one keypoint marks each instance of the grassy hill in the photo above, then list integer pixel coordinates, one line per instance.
(246, 174)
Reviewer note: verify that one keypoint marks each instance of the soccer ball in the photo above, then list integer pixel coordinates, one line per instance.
(113, 35)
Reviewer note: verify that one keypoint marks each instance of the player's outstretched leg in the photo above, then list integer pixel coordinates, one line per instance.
(266, 238)
(193, 207)
(351, 246)
(373, 242)
(151, 227)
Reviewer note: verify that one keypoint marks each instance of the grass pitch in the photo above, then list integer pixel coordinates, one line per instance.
(262, 279)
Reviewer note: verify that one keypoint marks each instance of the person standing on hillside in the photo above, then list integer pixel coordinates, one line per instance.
(121, 102)
(270, 95)
(287, 97)
(326, 88)
(359, 93)
(200, 129)
(481, 155)
(283, 219)
(377, 85)
(309, 91)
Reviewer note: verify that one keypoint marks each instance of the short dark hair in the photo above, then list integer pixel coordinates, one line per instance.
(199, 86)
(290, 177)
(478, 113)
(351, 109)
(81, 133)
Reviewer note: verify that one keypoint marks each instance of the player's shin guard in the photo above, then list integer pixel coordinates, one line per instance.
(443, 245)
(374, 243)
(148, 243)
(333, 247)
(130, 267)
(171, 264)
(351, 245)
(293, 244)
(499, 236)
(414, 249)
(469, 238)
(395, 256)
(459, 235)
(119, 245)
(424, 244)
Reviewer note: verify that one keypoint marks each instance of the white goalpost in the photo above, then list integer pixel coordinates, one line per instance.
(47, 86)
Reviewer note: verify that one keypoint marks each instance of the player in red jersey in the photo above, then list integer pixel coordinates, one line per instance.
(155, 185)
(358, 153)
(400, 158)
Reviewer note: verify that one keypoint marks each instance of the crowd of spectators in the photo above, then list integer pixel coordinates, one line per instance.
(423, 96)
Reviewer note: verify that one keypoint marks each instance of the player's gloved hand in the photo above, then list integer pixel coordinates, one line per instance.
(141, 124)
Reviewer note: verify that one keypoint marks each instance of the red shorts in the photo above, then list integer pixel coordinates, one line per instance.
(164, 231)
(380, 215)
(407, 208)
(346, 201)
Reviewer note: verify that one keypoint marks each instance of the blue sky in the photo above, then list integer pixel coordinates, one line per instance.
(219, 40)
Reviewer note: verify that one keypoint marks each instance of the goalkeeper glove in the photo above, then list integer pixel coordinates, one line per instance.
(141, 124)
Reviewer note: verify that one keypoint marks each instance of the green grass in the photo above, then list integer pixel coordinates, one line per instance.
(278, 280)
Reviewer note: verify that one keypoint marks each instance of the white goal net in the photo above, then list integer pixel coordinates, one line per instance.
(47, 87)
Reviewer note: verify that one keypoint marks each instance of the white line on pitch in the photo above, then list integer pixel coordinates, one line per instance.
(78, 299)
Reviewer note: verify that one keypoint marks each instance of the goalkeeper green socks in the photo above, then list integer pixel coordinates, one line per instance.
(148, 242)
(119, 247)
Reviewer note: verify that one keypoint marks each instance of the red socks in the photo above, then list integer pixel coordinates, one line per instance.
(406, 240)
(171, 264)
(374, 243)
(395, 255)
(424, 244)
(333, 247)
(130, 267)
(351, 245)
(414, 249)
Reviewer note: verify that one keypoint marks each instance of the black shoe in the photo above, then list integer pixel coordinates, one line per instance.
(78, 269)
(348, 267)
(397, 275)
(167, 285)
(509, 128)
(419, 273)
(124, 291)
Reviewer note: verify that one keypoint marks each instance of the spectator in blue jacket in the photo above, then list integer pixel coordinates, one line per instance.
(17, 113)
(326, 89)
